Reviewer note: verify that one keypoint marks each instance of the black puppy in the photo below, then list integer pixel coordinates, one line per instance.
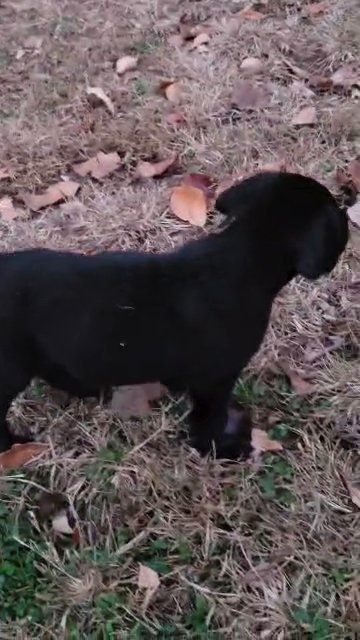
(191, 318)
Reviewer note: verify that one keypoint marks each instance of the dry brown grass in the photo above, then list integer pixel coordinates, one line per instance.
(268, 552)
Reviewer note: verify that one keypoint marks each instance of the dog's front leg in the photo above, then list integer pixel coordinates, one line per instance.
(13, 380)
(214, 427)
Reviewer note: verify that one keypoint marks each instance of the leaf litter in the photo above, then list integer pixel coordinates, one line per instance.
(55, 193)
(8, 211)
(146, 169)
(135, 400)
(98, 166)
(126, 63)
(21, 454)
(97, 97)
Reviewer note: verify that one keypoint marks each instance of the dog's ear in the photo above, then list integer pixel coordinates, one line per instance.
(324, 241)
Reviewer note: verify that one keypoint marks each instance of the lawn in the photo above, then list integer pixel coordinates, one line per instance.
(267, 550)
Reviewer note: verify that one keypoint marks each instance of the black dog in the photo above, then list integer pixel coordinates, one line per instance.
(191, 318)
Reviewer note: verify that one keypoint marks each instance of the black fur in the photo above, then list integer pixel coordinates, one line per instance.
(191, 318)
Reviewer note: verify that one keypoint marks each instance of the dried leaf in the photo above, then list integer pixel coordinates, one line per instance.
(8, 212)
(33, 42)
(300, 386)
(315, 9)
(199, 41)
(98, 166)
(345, 76)
(134, 401)
(250, 14)
(252, 65)
(61, 523)
(5, 173)
(354, 492)
(97, 96)
(280, 165)
(154, 169)
(176, 118)
(354, 213)
(306, 116)
(176, 40)
(201, 181)
(126, 63)
(171, 91)
(248, 96)
(354, 171)
(190, 204)
(298, 87)
(53, 194)
(149, 580)
(20, 54)
(322, 83)
(20, 454)
(261, 442)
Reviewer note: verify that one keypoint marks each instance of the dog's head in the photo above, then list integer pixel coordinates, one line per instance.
(293, 213)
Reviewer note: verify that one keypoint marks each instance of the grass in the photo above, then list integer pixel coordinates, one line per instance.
(268, 551)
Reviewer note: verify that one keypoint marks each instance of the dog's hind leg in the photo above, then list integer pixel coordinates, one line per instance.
(213, 427)
(13, 379)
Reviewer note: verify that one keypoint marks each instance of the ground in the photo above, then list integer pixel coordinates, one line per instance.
(268, 551)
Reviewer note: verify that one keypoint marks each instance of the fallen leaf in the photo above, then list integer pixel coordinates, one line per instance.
(154, 169)
(20, 454)
(201, 181)
(126, 63)
(261, 442)
(248, 96)
(280, 165)
(300, 386)
(20, 54)
(98, 166)
(354, 492)
(7, 210)
(176, 118)
(53, 194)
(250, 14)
(171, 90)
(199, 41)
(63, 522)
(354, 213)
(322, 83)
(5, 173)
(134, 401)
(149, 580)
(190, 204)
(345, 76)
(176, 40)
(33, 42)
(97, 96)
(252, 65)
(299, 88)
(306, 116)
(315, 9)
(354, 171)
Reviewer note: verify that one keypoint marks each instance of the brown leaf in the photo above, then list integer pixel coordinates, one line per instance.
(354, 492)
(248, 96)
(298, 87)
(261, 442)
(199, 41)
(252, 65)
(33, 42)
(149, 580)
(201, 181)
(134, 401)
(8, 211)
(190, 204)
(171, 90)
(5, 173)
(322, 83)
(280, 165)
(97, 96)
(20, 454)
(126, 63)
(354, 213)
(53, 194)
(250, 14)
(176, 40)
(154, 169)
(306, 116)
(345, 77)
(176, 118)
(98, 166)
(315, 9)
(300, 386)
(354, 171)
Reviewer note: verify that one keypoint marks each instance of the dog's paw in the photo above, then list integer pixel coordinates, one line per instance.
(234, 442)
